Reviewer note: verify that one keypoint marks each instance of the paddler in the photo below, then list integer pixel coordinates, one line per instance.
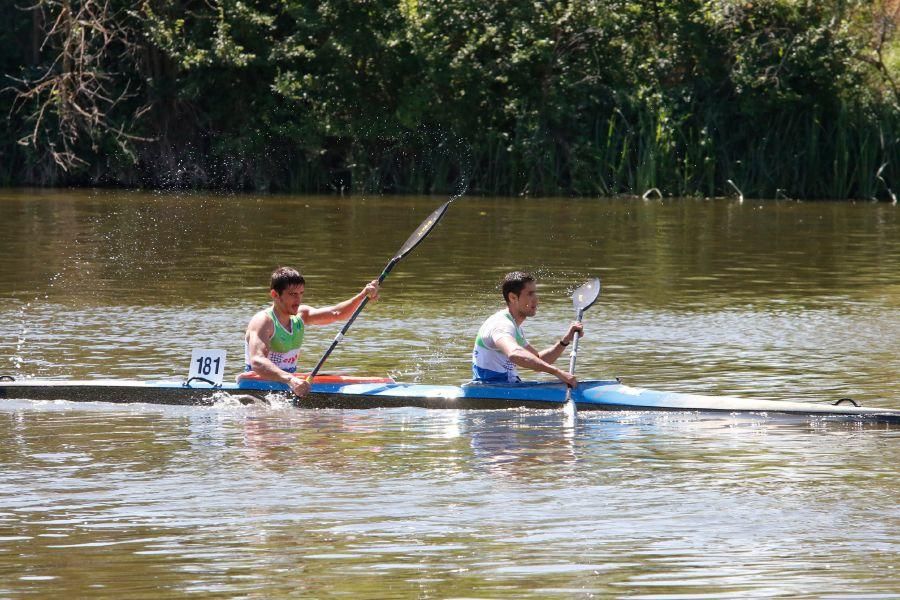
(274, 335)
(501, 345)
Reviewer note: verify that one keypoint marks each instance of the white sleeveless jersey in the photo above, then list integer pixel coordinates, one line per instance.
(488, 362)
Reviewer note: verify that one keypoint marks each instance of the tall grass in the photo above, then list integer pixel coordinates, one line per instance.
(795, 154)
(802, 154)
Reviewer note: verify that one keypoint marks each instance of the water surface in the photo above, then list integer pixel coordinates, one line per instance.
(777, 300)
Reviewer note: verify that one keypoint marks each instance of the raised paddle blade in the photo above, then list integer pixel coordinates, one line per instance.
(585, 296)
(424, 229)
(413, 241)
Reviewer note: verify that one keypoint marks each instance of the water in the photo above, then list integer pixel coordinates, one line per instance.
(770, 300)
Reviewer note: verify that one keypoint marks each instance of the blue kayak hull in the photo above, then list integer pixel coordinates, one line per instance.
(589, 395)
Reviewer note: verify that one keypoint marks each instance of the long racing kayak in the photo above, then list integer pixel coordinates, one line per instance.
(368, 392)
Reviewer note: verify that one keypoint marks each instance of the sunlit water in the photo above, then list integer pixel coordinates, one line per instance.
(768, 300)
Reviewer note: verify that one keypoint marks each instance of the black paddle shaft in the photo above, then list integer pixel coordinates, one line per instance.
(414, 240)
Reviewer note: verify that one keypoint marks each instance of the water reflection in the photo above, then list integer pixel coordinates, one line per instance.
(245, 500)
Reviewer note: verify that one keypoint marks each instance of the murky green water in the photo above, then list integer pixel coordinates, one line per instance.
(763, 299)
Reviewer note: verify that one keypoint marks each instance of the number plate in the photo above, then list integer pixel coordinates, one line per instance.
(208, 364)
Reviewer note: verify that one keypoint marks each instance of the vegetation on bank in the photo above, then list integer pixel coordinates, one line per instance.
(796, 98)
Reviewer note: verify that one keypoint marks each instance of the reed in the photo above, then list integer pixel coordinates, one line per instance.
(798, 154)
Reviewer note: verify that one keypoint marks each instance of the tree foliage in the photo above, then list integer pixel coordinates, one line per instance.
(786, 97)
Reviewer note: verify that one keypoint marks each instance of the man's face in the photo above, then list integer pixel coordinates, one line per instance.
(526, 302)
(290, 299)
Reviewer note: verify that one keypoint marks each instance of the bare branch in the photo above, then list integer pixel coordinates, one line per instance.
(75, 96)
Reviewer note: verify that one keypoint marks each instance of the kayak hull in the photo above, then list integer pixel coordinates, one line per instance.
(360, 393)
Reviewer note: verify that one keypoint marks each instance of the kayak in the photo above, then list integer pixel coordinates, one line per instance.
(337, 391)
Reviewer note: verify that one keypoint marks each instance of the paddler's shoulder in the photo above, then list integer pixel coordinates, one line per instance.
(262, 320)
(303, 312)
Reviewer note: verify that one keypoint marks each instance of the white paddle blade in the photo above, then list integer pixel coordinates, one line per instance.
(585, 296)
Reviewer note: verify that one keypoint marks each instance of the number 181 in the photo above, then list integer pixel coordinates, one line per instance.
(205, 365)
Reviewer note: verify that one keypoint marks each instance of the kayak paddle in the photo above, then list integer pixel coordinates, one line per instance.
(583, 298)
(414, 240)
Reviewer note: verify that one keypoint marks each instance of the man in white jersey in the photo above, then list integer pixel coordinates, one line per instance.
(274, 335)
(501, 345)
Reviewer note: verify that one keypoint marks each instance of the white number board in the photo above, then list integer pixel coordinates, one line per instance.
(208, 364)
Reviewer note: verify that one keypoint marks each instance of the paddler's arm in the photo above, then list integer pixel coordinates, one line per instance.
(258, 351)
(553, 352)
(528, 358)
(340, 311)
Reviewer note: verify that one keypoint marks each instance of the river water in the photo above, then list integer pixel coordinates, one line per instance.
(776, 300)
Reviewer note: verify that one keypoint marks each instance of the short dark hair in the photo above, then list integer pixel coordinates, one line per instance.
(283, 277)
(514, 282)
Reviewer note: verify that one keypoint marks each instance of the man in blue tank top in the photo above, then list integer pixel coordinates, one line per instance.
(501, 345)
(274, 335)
